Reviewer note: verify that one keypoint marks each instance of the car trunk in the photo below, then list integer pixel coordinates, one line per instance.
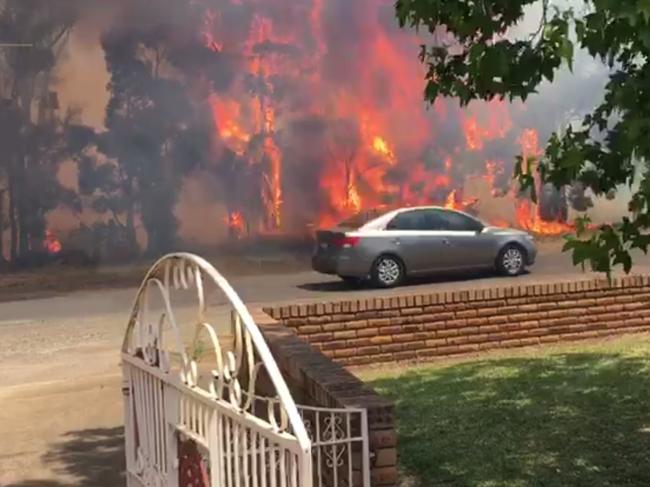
(325, 240)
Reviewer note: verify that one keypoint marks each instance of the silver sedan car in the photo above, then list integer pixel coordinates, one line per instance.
(385, 248)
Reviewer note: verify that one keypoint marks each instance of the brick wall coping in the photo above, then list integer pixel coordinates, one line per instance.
(415, 297)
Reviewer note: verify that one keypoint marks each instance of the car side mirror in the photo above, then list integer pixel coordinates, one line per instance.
(479, 229)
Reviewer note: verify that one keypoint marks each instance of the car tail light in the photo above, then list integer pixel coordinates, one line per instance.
(345, 241)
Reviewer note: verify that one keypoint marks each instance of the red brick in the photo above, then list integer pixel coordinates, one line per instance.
(309, 329)
(343, 317)
(423, 335)
(470, 313)
(358, 342)
(435, 342)
(546, 306)
(436, 308)
(379, 322)
(478, 338)
(507, 310)
(497, 320)
(517, 317)
(447, 333)
(434, 326)
(497, 337)
(468, 348)
(367, 332)
(406, 355)
(345, 352)
(333, 327)
(457, 340)
(403, 337)
(368, 350)
(487, 312)
(623, 299)
(382, 438)
(427, 352)
(390, 330)
(333, 345)
(455, 323)
(321, 337)
(392, 347)
(549, 339)
(489, 329)
(527, 308)
(477, 321)
(381, 340)
(468, 330)
(388, 314)
(410, 328)
(412, 345)
(340, 335)
(317, 320)
(410, 311)
(449, 350)
(529, 324)
(355, 325)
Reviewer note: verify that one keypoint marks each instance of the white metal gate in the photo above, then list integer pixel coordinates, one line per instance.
(192, 415)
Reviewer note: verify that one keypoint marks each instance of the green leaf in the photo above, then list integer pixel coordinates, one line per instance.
(566, 51)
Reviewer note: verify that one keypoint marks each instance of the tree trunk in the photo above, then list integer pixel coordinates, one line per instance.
(23, 210)
(13, 224)
(132, 242)
(2, 225)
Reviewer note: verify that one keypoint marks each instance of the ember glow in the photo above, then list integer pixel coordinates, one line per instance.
(51, 244)
(328, 124)
(236, 224)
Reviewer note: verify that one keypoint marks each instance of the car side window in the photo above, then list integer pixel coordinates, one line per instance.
(409, 220)
(456, 222)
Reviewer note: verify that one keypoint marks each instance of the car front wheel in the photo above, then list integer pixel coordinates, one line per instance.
(387, 272)
(511, 260)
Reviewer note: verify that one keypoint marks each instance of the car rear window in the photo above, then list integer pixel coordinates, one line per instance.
(360, 219)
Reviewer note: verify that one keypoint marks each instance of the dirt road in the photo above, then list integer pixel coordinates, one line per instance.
(60, 414)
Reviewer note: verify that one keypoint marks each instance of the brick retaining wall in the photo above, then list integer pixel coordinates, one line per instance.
(420, 327)
(318, 381)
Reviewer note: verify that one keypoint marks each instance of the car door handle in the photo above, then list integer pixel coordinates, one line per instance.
(396, 241)
(446, 241)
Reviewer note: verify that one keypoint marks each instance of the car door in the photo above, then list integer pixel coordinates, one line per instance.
(417, 241)
(467, 245)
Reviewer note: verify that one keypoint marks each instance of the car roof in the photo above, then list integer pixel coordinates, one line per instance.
(389, 215)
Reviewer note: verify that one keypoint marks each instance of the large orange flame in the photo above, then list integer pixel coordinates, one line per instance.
(401, 153)
(527, 212)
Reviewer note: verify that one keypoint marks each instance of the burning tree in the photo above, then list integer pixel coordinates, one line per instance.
(608, 149)
(156, 135)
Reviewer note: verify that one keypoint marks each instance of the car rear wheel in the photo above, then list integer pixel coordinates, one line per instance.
(387, 272)
(511, 260)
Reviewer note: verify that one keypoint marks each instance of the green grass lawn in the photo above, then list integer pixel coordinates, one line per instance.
(565, 416)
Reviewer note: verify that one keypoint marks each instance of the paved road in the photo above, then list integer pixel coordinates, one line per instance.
(552, 265)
